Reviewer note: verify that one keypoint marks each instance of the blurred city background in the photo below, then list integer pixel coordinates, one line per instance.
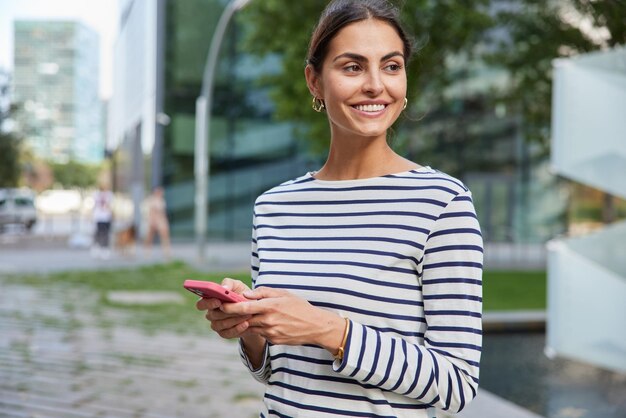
(523, 100)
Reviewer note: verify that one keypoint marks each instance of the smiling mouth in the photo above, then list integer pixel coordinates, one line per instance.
(370, 107)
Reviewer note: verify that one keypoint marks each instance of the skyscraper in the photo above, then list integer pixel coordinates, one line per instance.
(56, 85)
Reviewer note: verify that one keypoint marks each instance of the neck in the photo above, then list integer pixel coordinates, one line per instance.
(360, 158)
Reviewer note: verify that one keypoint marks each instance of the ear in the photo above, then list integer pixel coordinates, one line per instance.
(313, 82)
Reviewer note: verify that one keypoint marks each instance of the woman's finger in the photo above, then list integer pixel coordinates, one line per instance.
(208, 304)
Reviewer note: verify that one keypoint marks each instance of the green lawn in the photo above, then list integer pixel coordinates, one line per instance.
(501, 291)
(514, 290)
(177, 317)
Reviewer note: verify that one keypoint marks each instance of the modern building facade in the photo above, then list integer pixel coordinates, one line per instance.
(159, 60)
(56, 80)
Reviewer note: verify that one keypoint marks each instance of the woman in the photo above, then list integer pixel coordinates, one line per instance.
(103, 218)
(157, 221)
(367, 273)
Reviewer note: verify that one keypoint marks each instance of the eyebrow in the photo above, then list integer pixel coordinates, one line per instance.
(361, 58)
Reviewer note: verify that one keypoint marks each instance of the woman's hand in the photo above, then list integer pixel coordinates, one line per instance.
(226, 325)
(283, 318)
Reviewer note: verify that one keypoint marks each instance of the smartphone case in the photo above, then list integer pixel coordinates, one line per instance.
(212, 290)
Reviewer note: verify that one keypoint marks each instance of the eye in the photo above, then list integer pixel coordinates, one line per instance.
(352, 68)
(394, 68)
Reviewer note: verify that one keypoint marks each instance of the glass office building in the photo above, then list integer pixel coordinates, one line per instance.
(159, 61)
(56, 86)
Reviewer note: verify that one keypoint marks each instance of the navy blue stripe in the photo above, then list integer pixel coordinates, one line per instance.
(392, 356)
(348, 214)
(462, 198)
(458, 215)
(431, 379)
(452, 280)
(452, 345)
(449, 397)
(359, 362)
(453, 248)
(461, 391)
(367, 312)
(404, 302)
(465, 189)
(342, 276)
(343, 251)
(305, 359)
(354, 226)
(325, 410)
(454, 313)
(447, 354)
(340, 263)
(456, 329)
(454, 296)
(376, 356)
(361, 188)
(329, 394)
(456, 231)
(375, 239)
(404, 367)
(327, 378)
(278, 414)
(400, 332)
(301, 181)
(354, 202)
(453, 264)
(418, 371)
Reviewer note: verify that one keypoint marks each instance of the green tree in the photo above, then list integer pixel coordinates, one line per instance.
(10, 142)
(75, 174)
(283, 28)
(10, 169)
(540, 31)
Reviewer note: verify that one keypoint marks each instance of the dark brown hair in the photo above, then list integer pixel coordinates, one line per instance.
(340, 13)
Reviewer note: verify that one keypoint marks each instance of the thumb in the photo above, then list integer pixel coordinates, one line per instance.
(234, 285)
(263, 292)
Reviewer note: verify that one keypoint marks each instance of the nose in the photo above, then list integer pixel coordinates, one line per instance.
(373, 84)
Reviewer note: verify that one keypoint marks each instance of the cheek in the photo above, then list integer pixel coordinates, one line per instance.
(341, 89)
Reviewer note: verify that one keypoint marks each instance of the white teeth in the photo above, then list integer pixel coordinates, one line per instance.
(370, 108)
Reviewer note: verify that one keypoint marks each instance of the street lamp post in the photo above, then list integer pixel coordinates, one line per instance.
(202, 141)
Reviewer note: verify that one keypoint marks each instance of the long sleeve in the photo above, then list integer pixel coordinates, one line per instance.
(262, 373)
(443, 371)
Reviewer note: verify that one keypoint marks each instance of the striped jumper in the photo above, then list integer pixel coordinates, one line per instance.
(401, 257)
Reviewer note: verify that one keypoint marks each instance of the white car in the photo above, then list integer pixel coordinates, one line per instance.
(17, 206)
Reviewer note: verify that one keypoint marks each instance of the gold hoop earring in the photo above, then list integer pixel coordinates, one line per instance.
(318, 105)
(406, 102)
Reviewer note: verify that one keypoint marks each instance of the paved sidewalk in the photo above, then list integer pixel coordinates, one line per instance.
(44, 255)
(48, 368)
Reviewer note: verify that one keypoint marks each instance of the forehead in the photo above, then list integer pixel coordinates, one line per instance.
(371, 38)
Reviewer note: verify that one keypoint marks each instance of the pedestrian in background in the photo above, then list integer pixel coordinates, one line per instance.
(367, 273)
(103, 218)
(157, 221)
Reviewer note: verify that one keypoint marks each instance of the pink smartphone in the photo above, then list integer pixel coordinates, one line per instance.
(212, 290)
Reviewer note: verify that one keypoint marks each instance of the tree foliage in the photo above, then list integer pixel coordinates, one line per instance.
(281, 27)
(9, 159)
(540, 31)
(75, 174)
(10, 142)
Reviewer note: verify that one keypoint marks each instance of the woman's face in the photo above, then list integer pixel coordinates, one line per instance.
(363, 79)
